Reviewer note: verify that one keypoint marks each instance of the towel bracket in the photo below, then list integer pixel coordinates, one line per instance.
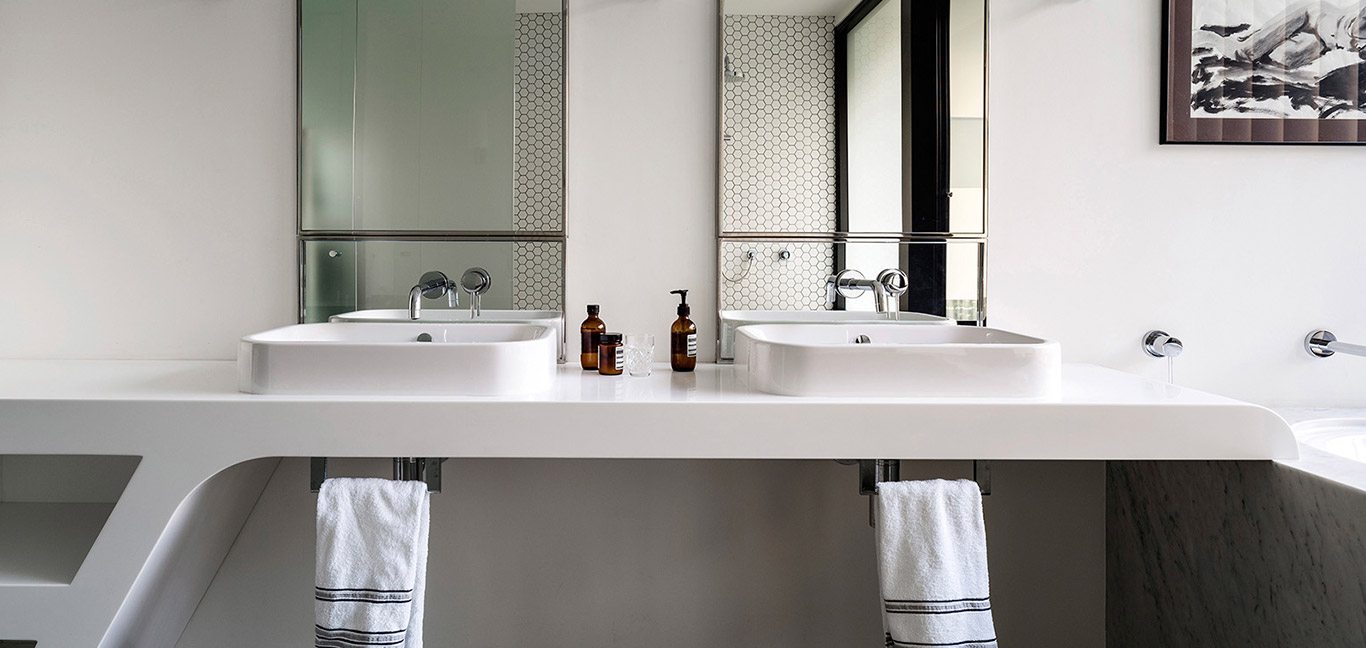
(872, 472)
(426, 469)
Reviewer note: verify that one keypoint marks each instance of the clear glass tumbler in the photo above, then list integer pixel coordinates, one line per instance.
(640, 353)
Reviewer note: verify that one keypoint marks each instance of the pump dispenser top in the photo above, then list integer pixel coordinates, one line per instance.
(683, 337)
(683, 309)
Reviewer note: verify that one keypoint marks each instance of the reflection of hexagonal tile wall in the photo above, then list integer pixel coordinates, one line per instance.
(538, 132)
(779, 166)
(771, 283)
(537, 275)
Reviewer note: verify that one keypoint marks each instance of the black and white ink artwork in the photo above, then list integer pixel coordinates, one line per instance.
(1278, 59)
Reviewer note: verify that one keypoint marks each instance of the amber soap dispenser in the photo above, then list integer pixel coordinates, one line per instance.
(589, 332)
(683, 337)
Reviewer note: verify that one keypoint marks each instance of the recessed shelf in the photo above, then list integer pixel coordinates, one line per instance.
(52, 508)
(44, 543)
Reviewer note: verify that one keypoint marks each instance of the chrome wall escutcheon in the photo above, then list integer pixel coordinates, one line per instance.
(1159, 344)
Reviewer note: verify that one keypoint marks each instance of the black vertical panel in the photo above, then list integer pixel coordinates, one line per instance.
(925, 151)
(925, 265)
(925, 110)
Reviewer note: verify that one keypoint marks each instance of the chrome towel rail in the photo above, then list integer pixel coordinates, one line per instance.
(1322, 343)
(872, 472)
(426, 469)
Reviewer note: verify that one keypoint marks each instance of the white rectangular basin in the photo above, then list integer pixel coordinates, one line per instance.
(553, 319)
(897, 361)
(731, 320)
(462, 359)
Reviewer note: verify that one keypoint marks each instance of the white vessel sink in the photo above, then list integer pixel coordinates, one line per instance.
(734, 319)
(897, 361)
(553, 319)
(463, 359)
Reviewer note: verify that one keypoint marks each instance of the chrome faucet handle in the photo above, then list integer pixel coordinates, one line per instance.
(475, 282)
(840, 284)
(894, 281)
(1159, 344)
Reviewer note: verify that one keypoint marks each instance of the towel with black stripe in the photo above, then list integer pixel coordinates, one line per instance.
(371, 568)
(932, 565)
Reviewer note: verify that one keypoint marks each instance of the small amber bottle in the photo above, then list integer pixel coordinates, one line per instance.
(611, 358)
(588, 338)
(683, 337)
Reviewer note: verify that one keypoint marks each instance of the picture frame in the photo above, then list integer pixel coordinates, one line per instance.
(1258, 72)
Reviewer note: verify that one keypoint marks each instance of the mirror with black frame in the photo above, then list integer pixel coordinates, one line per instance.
(852, 141)
(431, 137)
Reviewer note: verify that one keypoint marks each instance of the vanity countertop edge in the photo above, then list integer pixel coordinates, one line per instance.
(141, 407)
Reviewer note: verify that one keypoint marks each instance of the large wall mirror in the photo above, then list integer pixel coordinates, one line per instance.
(431, 137)
(852, 137)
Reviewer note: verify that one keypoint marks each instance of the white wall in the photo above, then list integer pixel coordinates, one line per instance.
(1098, 234)
(642, 164)
(146, 176)
(145, 144)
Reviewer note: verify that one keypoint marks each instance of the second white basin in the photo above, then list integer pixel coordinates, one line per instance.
(398, 359)
(897, 361)
(731, 320)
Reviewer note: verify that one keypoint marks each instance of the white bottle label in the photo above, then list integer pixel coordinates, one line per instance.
(621, 358)
(692, 345)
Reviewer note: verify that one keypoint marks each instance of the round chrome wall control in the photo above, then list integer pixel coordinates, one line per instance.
(840, 283)
(476, 281)
(1316, 343)
(785, 255)
(1159, 344)
(434, 284)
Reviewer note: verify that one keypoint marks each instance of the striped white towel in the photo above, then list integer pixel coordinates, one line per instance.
(371, 568)
(932, 563)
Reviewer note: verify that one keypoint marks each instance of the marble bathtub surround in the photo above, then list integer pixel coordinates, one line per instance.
(1224, 553)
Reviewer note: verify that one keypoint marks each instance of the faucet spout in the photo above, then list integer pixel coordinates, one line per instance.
(415, 302)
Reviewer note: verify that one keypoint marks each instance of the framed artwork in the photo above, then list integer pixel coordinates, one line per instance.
(1264, 72)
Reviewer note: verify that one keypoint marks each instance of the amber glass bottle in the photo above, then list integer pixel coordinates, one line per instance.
(589, 332)
(683, 337)
(611, 357)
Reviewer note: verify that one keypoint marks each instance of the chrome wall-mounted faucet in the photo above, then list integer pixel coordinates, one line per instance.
(889, 286)
(475, 282)
(1160, 344)
(432, 285)
(1323, 344)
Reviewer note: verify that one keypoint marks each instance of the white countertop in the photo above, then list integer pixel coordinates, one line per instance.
(140, 407)
(187, 422)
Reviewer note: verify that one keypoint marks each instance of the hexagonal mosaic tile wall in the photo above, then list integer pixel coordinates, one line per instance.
(537, 275)
(769, 282)
(778, 167)
(538, 128)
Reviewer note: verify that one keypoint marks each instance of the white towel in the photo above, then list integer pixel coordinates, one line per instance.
(932, 563)
(371, 569)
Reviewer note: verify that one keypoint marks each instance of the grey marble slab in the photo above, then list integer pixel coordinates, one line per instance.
(1218, 553)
